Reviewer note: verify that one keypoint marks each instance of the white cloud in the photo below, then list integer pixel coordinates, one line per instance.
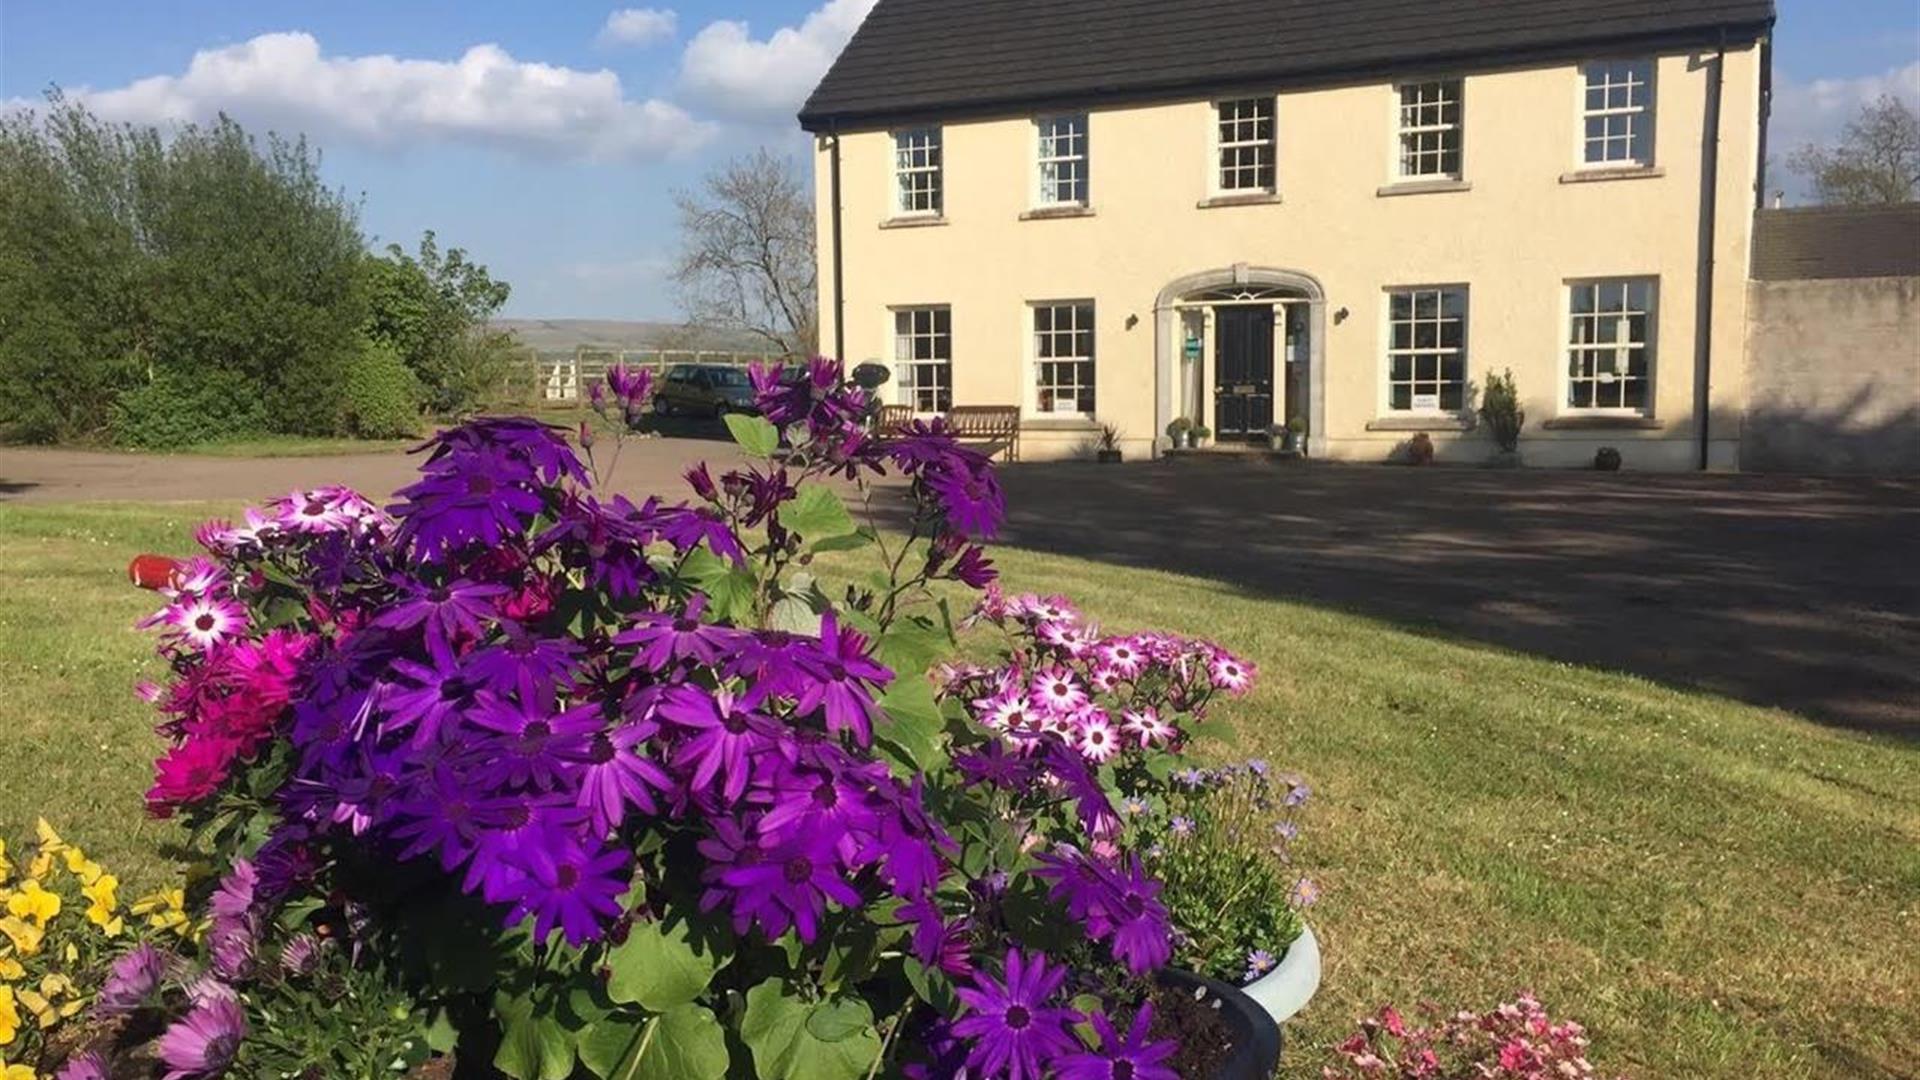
(725, 70)
(639, 26)
(1818, 111)
(486, 97)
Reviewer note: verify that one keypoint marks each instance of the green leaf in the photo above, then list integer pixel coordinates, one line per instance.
(534, 1047)
(754, 434)
(789, 1040)
(659, 966)
(912, 644)
(795, 616)
(817, 513)
(685, 1043)
(850, 542)
(729, 589)
(914, 723)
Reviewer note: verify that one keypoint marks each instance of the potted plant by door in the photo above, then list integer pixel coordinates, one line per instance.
(1222, 840)
(1500, 410)
(1201, 433)
(1180, 432)
(1109, 452)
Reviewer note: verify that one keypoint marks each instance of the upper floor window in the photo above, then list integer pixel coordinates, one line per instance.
(1610, 347)
(1430, 130)
(1063, 357)
(923, 358)
(1063, 160)
(1618, 113)
(1427, 350)
(917, 172)
(1246, 141)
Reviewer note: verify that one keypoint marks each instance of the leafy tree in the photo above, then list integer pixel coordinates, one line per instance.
(1877, 161)
(747, 260)
(432, 308)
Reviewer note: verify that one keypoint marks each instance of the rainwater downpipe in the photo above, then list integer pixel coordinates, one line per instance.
(1703, 287)
(839, 263)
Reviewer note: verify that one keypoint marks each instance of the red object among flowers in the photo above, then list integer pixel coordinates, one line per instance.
(154, 572)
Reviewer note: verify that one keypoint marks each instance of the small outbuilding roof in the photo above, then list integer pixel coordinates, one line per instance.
(1837, 242)
(933, 58)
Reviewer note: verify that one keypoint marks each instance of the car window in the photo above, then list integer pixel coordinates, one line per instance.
(680, 373)
(728, 377)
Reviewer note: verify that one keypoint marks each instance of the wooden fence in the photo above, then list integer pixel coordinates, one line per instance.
(560, 376)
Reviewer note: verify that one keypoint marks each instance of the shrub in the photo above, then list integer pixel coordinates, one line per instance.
(381, 398)
(1500, 411)
(576, 782)
(1220, 840)
(1420, 449)
(1607, 459)
(1516, 1041)
(183, 407)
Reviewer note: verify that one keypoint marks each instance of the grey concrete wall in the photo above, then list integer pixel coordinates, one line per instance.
(1833, 376)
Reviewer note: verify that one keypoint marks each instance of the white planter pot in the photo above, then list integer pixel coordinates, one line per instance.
(1286, 989)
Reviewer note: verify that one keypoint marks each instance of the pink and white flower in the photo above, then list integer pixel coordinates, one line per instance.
(1056, 690)
(1122, 657)
(206, 621)
(1229, 672)
(1097, 742)
(1146, 725)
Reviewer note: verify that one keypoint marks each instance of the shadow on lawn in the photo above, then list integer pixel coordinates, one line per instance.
(1781, 591)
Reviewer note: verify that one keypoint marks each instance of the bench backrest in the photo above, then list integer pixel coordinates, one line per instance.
(984, 421)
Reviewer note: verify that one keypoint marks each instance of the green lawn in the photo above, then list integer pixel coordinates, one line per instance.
(1717, 890)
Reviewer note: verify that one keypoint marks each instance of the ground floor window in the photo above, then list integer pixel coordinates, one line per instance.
(1427, 349)
(1610, 344)
(1063, 357)
(923, 358)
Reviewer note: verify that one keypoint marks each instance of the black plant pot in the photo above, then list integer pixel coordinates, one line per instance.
(1108, 457)
(1256, 1038)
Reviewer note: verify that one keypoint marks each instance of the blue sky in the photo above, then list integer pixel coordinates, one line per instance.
(547, 138)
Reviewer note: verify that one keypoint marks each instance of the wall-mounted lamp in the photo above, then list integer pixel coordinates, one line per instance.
(1340, 316)
(1133, 321)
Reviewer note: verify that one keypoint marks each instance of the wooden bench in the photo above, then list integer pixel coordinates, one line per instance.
(993, 428)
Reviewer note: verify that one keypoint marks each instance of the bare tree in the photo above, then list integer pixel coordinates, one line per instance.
(747, 253)
(1876, 162)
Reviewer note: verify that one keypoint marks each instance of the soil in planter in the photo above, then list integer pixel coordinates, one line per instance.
(1206, 1040)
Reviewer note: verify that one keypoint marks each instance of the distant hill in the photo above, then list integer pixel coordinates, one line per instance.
(565, 335)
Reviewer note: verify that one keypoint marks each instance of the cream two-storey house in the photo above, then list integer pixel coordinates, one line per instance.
(1340, 213)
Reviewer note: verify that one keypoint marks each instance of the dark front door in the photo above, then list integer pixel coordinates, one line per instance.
(1243, 372)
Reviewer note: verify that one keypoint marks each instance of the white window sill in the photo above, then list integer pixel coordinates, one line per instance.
(1599, 174)
(1048, 213)
(1251, 198)
(1421, 422)
(1424, 187)
(1601, 421)
(917, 221)
(1060, 422)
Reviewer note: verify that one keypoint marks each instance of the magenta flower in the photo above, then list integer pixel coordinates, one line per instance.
(842, 680)
(615, 776)
(87, 1066)
(204, 1042)
(576, 890)
(1016, 1030)
(725, 736)
(789, 885)
(1133, 1057)
(665, 638)
(459, 607)
(132, 979)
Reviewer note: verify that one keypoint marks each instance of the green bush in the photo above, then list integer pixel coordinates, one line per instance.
(1500, 410)
(181, 408)
(381, 396)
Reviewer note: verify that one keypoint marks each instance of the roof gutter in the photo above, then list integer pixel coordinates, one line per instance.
(1704, 283)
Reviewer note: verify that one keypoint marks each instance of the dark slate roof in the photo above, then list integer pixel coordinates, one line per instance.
(1837, 242)
(927, 58)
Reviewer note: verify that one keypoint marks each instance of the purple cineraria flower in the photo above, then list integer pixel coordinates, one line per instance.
(614, 775)
(768, 661)
(632, 386)
(687, 528)
(576, 889)
(606, 540)
(132, 980)
(234, 898)
(842, 679)
(204, 1042)
(1135, 1057)
(469, 495)
(1016, 1030)
(1117, 903)
(936, 941)
(430, 696)
(790, 884)
(665, 639)
(445, 610)
(535, 742)
(87, 1066)
(446, 812)
(725, 736)
(1181, 826)
(521, 653)
(995, 764)
(803, 798)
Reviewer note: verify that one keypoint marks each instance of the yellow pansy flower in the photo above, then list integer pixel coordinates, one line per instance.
(82, 867)
(24, 935)
(6, 865)
(16, 1072)
(9, 1016)
(103, 891)
(50, 841)
(35, 903)
(10, 969)
(166, 910)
